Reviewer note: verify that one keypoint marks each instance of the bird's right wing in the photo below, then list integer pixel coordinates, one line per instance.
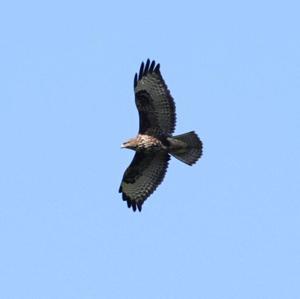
(141, 178)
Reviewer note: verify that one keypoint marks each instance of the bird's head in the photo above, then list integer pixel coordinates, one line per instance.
(130, 144)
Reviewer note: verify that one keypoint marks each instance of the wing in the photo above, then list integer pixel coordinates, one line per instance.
(141, 178)
(154, 102)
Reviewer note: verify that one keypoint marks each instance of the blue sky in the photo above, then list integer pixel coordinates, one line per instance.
(225, 228)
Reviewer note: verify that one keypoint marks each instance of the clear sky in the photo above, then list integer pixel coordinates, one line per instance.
(226, 228)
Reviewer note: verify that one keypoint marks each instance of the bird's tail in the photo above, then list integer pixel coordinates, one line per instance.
(186, 147)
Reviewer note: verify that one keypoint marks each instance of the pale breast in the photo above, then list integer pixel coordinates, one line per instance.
(149, 143)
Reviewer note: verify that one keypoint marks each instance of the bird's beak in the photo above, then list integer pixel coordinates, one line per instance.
(122, 145)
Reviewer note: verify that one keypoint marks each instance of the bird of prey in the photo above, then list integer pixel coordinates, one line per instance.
(154, 142)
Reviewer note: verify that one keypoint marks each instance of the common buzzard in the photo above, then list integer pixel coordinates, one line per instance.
(154, 142)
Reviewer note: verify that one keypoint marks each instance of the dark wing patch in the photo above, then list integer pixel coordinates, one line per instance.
(154, 101)
(141, 178)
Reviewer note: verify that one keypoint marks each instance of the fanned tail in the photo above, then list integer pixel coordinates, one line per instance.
(186, 147)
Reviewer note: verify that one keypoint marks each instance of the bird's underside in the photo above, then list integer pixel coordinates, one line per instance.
(154, 144)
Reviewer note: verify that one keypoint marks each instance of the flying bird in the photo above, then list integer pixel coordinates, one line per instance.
(154, 142)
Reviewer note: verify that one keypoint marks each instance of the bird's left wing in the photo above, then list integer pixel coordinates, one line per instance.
(154, 101)
(141, 178)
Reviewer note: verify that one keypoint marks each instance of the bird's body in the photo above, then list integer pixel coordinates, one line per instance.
(145, 143)
(154, 142)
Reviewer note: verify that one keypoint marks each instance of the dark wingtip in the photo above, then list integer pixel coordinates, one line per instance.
(152, 66)
(135, 80)
(139, 205)
(141, 72)
(132, 204)
(147, 66)
(125, 198)
(156, 70)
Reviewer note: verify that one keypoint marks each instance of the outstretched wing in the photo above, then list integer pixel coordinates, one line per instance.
(141, 178)
(154, 102)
